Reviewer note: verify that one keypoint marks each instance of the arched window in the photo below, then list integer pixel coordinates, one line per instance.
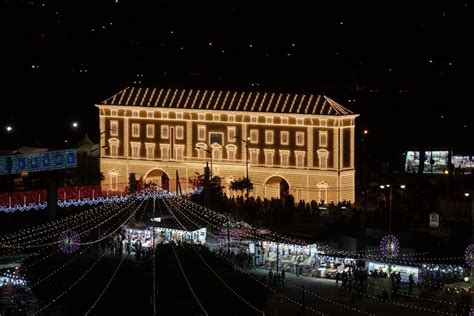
(231, 152)
(323, 155)
(216, 150)
(113, 145)
(201, 150)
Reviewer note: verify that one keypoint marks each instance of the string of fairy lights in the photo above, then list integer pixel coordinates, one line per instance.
(187, 281)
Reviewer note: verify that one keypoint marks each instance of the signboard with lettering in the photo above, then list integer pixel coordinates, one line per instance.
(51, 160)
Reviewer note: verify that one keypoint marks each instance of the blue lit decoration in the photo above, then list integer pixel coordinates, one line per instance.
(51, 160)
(93, 201)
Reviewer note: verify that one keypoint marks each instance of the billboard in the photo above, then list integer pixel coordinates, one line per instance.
(51, 160)
(463, 162)
(434, 162)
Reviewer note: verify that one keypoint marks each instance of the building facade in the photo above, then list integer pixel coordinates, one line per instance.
(291, 144)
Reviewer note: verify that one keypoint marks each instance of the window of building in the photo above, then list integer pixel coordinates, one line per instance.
(268, 137)
(179, 132)
(323, 191)
(164, 115)
(284, 120)
(300, 155)
(323, 122)
(231, 152)
(216, 117)
(200, 150)
(201, 132)
(179, 152)
(114, 128)
(113, 112)
(113, 175)
(284, 158)
(150, 130)
(300, 138)
(150, 151)
(284, 137)
(269, 154)
(216, 152)
(231, 118)
(254, 156)
(299, 121)
(135, 130)
(254, 119)
(254, 136)
(135, 113)
(149, 114)
(165, 131)
(135, 150)
(113, 144)
(323, 158)
(231, 133)
(269, 120)
(179, 116)
(201, 116)
(299, 194)
(323, 138)
(165, 151)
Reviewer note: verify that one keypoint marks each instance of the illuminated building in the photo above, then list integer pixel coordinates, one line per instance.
(297, 144)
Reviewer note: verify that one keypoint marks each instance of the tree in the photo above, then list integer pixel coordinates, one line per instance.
(241, 185)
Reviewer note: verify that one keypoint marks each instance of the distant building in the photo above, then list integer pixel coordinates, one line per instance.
(297, 144)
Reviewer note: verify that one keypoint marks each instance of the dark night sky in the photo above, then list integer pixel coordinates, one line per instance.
(405, 66)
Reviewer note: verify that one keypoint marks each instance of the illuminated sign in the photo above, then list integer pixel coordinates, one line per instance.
(51, 160)
(434, 162)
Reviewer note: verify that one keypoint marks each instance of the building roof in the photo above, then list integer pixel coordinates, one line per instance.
(228, 101)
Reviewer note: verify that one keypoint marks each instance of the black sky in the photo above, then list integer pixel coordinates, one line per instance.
(405, 66)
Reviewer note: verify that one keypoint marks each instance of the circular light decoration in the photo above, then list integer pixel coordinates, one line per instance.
(69, 241)
(389, 246)
(233, 237)
(468, 255)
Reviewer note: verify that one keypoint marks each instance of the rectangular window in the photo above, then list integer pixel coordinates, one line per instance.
(284, 120)
(299, 121)
(268, 137)
(284, 158)
(216, 117)
(284, 137)
(323, 162)
(164, 115)
(254, 136)
(254, 119)
(323, 138)
(135, 130)
(300, 138)
(135, 150)
(114, 128)
(201, 116)
(113, 143)
(135, 114)
(231, 118)
(179, 132)
(179, 153)
(269, 157)
(165, 131)
(269, 120)
(149, 114)
(254, 156)
(299, 159)
(201, 132)
(165, 151)
(113, 112)
(179, 116)
(150, 151)
(150, 130)
(323, 122)
(231, 133)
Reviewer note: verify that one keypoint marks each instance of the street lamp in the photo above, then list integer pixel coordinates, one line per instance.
(246, 160)
(209, 152)
(75, 124)
(9, 128)
(466, 194)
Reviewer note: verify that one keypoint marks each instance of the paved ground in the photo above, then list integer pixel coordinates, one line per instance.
(331, 299)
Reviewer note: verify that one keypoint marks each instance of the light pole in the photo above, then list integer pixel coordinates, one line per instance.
(389, 186)
(246, 160)
(209, 152)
